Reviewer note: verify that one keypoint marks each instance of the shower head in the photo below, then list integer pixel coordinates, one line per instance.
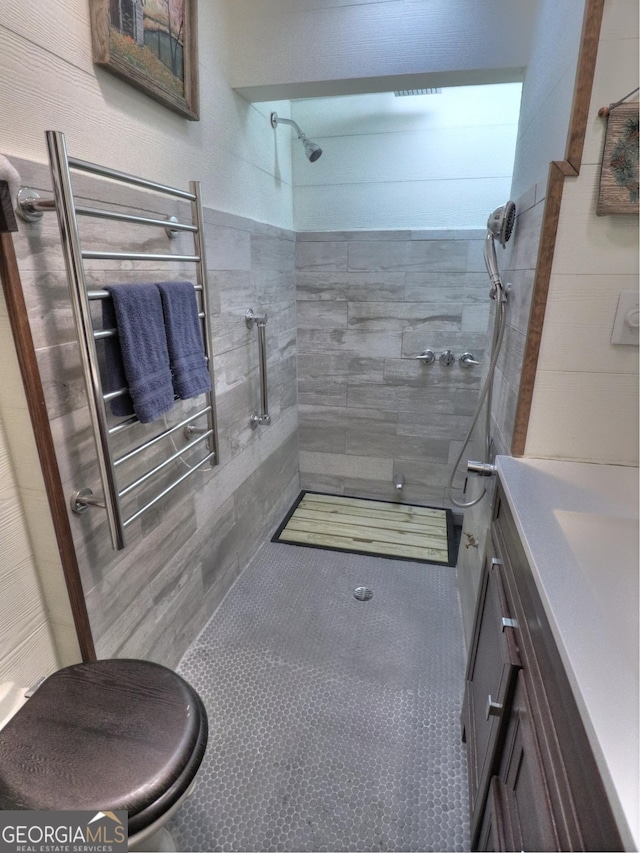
(499, 227)
(311, 149)
(500, 223)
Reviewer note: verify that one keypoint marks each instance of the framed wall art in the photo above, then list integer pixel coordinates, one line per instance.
(619, 173)
(151, 44)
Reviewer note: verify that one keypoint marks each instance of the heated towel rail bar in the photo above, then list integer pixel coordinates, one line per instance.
(32, 207)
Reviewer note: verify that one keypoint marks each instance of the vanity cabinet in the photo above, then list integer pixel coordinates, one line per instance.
(494, 663)
(533, 779)
(519, 815)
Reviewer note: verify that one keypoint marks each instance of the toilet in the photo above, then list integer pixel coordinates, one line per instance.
(104, 735)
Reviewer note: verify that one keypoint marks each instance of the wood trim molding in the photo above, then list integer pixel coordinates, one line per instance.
(558, 171)
(591, 26)
(19, 321)
(555, 184)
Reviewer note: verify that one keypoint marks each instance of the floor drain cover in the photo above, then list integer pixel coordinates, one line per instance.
(363, 593)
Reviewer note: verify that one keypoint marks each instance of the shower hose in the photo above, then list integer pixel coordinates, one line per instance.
(485, 394)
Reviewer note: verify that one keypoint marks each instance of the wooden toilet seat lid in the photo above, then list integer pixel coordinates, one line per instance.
(105, 735)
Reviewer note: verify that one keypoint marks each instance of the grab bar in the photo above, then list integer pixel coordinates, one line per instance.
(260, 320)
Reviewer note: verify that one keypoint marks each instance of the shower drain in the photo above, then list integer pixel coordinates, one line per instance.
(363, 593)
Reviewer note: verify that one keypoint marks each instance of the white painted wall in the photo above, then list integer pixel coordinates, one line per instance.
(27, 650)
(313, 48)
(585, 402)
(49, 82)
(36, 629)
(428, 161)
(547, 93)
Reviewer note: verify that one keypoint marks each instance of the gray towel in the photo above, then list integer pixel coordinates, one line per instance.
(184, 339)
(142, 359)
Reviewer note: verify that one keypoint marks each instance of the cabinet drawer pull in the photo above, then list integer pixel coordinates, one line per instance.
(494, 709)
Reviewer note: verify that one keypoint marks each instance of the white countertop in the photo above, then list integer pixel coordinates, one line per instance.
(579, 527)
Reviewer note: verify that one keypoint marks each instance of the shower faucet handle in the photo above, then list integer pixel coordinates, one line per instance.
(467, 360)
(447, 358)
(427, 356)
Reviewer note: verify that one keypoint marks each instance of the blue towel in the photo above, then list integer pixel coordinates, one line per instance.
(184, 339)
(142, 358)
(114, 368)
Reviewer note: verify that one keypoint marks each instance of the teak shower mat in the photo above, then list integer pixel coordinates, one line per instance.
(367, 526)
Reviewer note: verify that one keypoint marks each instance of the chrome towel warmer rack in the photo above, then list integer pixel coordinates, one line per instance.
(31, 207)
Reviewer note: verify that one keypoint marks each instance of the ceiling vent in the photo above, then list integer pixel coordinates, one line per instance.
(403, 93)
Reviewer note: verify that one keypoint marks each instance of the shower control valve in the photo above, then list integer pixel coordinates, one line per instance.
(427, 356)
(447, 358)
(467, 360)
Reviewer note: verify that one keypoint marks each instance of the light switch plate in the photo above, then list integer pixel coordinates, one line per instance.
(625, 327)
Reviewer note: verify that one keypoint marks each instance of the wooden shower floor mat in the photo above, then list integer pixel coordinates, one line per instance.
(364, 526)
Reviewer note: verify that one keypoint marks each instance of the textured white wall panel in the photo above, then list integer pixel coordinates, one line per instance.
(580, 309)
(50, 82)
(38, 633)
(432, 155)
(417, 204)
(585, 403)
(302, 49)
(27, 649)
(584, 417)
(434, 161)
(588, 244)
(548, 91)
(381, 112)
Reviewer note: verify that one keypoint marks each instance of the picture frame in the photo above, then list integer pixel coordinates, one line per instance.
(618, 190)
(153, 45)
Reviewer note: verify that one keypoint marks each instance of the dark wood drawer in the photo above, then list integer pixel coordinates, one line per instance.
(493, 665)
(534, 782)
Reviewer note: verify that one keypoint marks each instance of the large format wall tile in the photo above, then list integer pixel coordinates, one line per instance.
(152, 599)
(410, 256)
(351, 286)
(361, 323)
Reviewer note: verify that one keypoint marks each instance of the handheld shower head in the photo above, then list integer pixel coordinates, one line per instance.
(311, 149)
(500, 223)
(499, 227)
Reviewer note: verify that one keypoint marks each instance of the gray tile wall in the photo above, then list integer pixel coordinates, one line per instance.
(518, 265)
(517, 262)
(369, 302)
(152, 599)
(365, 304)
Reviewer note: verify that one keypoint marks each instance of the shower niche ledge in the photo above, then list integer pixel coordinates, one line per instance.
(551, 695)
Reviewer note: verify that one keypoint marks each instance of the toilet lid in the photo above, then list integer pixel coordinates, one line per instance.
(105, 735)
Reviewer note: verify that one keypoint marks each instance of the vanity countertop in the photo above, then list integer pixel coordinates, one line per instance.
(579, 528)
